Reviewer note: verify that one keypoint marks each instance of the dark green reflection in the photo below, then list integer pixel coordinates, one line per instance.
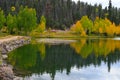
(41, 58)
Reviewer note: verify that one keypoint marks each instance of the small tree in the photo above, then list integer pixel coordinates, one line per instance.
(42, 26)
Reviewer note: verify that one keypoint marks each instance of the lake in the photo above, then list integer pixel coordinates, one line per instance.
(83, 59)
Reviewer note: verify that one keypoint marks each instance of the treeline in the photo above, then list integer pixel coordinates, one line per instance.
(62, 14)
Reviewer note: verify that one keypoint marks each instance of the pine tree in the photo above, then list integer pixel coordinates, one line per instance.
(110, 10)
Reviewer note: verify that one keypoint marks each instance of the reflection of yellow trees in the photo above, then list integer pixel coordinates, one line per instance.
(98, 47)
(101, 47)
(42, 50)
(78, 45)
(86, 50)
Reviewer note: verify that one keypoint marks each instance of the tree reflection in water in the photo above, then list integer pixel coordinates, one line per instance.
(43, 58)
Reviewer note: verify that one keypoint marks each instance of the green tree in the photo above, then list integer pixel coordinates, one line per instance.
(11, 22)
(2, 19)
(27, 20)
(87, 24)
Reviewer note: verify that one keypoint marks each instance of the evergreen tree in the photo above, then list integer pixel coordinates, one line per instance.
(110, 10)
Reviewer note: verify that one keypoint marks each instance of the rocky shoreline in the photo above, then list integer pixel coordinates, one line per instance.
(7, 45)
(10, 44)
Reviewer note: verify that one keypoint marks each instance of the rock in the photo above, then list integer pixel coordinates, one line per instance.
(6, 73)
(4, 56)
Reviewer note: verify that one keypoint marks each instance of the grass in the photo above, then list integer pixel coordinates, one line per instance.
(58, 34)
(65, 34)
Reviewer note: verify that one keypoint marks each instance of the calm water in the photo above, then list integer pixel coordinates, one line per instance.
(86, 59)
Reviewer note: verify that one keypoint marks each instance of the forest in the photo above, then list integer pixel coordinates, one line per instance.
(16, 16)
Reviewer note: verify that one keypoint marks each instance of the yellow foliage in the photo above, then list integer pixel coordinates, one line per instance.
(100, 30)
(117, 30)
(78, 45)
(78, 29)
(42, 50)
(108, 22)
(41, 27)
(83, 33)
(110, 30)
(105, 26)
(95, 28)
(101, 26)
(38, 30)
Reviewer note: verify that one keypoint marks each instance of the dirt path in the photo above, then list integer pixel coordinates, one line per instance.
(9, 38)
